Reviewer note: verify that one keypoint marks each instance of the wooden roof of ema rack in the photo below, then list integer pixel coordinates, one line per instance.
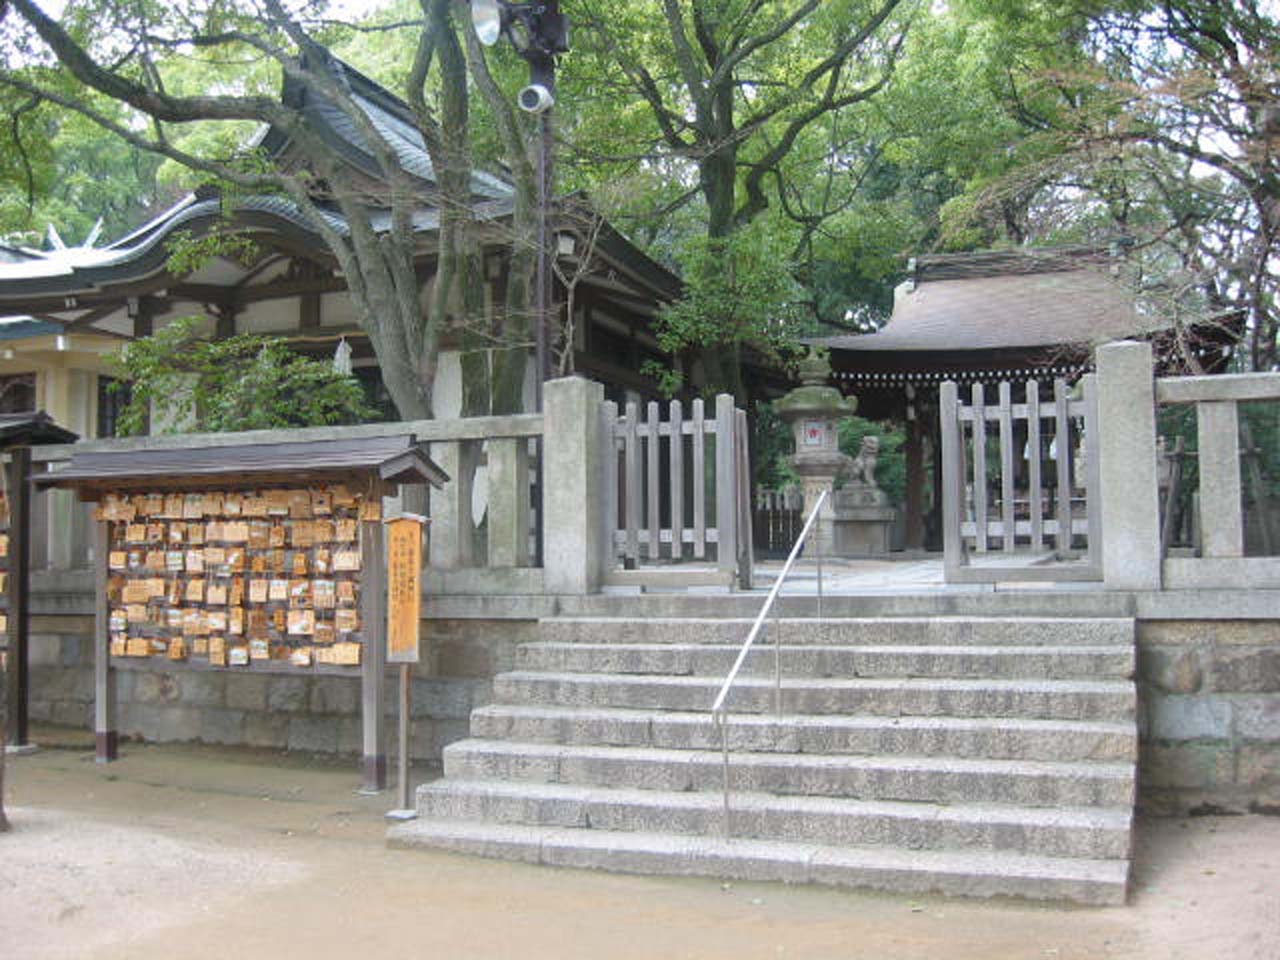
(393, 459)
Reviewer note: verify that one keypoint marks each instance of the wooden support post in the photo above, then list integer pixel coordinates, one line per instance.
(104, 675)
(1093, 469)
(726, 487)
(979, 468)
(953, 555)
(609, 483)
(745, 545)
(19, 567)
(1062, 445)
(373, 599)
(699, 442)
(1007, 516)
(633, 486)
(913, 520)
(653, 481)
(1035, 481)
(676, 464)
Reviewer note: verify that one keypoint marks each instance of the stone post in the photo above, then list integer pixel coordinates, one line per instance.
(1129, 497)
(573, 554)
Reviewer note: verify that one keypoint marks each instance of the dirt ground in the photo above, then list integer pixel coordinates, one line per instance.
(194, 852)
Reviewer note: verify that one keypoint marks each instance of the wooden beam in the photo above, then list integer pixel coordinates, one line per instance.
(914, 505)
(373, 592)
(104, 676)
(19, 568)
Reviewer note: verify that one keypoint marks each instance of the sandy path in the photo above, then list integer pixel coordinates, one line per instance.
(183, 853)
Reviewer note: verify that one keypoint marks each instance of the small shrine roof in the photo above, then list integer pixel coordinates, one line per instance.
(32, 429)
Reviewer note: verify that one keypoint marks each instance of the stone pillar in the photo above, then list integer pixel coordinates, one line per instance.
(573, 554)
(509, 502)
(1128, 498)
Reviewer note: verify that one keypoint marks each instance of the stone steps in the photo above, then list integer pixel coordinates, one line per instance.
(995, 738)
(1059, 832)
(893, 631)
(817, 661)
(976, 756)
(1042, 699)
(967, 873)
(916, 779)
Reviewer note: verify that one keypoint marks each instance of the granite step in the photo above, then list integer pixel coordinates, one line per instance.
(1091, 833)
(1039, 699)
(892, 631)
(1078, 661)
(967, 873)
(975, 737)
(910, 779)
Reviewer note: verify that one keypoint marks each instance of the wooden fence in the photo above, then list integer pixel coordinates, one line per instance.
(676, 491)
(1014, 493)
(777, 518)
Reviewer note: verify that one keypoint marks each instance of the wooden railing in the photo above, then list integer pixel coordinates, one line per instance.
(676, 490)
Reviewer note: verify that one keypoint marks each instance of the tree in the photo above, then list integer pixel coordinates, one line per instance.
(238, 383)
(1151, 121)
(733, 91)
(132, 55)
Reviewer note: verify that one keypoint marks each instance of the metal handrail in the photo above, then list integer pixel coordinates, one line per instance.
(719, 711)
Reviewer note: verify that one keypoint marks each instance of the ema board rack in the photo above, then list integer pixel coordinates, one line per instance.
(216, 555)
(227, 579)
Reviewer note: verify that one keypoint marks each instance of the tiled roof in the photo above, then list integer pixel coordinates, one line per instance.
(1042, 304)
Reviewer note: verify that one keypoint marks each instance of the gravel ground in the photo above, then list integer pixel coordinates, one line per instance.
(195, 852)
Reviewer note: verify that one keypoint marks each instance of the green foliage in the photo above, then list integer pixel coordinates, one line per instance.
(772, 444)
(241, 383)
(189, 252)
(738, 289)
(891, 462)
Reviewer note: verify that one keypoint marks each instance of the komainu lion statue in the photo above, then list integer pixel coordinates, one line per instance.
(862, 468)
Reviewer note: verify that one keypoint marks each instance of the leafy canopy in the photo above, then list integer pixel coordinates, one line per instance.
(245, 382)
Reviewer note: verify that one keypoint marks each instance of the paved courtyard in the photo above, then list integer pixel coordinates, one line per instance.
(197, 852)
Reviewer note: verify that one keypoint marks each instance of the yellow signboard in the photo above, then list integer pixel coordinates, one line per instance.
(404, 588)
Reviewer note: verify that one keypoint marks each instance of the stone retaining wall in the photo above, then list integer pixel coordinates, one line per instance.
(1210, 722)
(310, 713)
(1209, 693)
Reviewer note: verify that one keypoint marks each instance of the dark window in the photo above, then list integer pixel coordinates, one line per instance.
(18, 393)
(113, 397)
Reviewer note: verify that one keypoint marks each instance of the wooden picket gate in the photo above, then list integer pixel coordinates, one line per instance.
(1005, 523)
(676, 495)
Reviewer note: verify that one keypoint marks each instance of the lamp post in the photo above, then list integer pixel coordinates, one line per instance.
(539, 32)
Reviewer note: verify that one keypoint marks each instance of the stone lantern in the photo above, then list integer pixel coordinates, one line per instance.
(813, 409)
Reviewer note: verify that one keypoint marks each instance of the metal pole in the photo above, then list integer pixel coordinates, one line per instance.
(543, 282)
(403, 770)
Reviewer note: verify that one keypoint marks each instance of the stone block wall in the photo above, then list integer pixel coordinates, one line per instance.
(307, 713)
(1210, 718)
(1209, 698)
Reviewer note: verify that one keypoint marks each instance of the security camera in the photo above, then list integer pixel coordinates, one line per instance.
(536, 98)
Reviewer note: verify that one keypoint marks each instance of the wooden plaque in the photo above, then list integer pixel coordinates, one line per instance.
(404, 588)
